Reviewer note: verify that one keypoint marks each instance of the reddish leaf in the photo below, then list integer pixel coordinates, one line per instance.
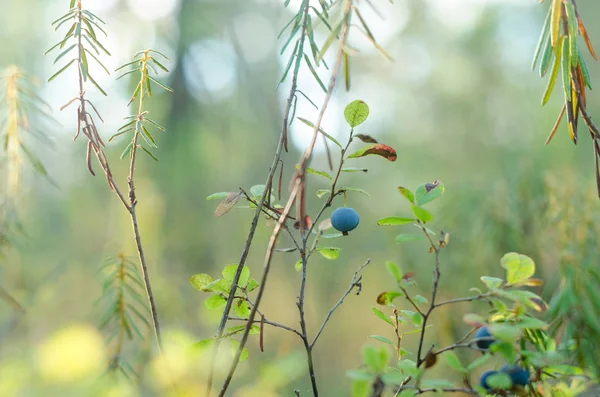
(378, 149)
(366, 138)
(408, 276)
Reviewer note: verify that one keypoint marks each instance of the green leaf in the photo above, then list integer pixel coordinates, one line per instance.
(127, 150)
(61, 70)
(381, 315)
(241, 308)
(478, 362)
(315, 172)
(499, 380)
(585, 71)
(492, 282)
(360, 388)
(356, 113)
(161, 85)
(420, 299)
(393, 378)
(215, 302)
(386, 298)
(234, 347)
(554, 73)
(417, 319)
(408, 367)
(407, 194)
(404, 238)
(354, 169)
(518, 267)
(331, 235)
(378, 149)
(573, 30)
(394, 270)
(394, 221)
(358, 374)
(65, 52)
(256, 191)
(531, 323)
(148, 137)
(334, 32)
(544, 36)
(546, 57)
(322, 192)
(314, 73)
(310, 124)
(329, 252)
(428, 192)
(298, 265)
(376, 359)
(566, 70)
(229, 274)
(199, 281)
(218, 196)
(355, 189)
(96, 85)
(421, 213)
(381, 339)
(505, 332)
(204, 344)
(252, 285)
(453, 361)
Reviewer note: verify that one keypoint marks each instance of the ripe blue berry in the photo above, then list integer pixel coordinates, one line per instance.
(344, 219)
(518, 375)
(484, 377)
(483, 332)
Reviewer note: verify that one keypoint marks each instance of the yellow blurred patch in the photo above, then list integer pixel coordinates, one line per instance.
(72, 354)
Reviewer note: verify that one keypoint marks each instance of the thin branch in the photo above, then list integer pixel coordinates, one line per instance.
(259, 208)
(355, 282)
(297, 182)
(466, 299)
(409, 299)
(435, 283)
(300, 304)
(274, 324)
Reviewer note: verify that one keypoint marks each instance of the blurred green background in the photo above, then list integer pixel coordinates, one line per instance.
(459, 104)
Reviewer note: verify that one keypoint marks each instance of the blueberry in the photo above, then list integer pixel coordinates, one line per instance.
(344, 219)
(483, 332)
(518, 375)
(484, 377)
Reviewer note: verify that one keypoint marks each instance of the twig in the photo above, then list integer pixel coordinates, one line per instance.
(85, 124)
(466, 299)
(266, 268)
(409, 299)
(277, 325)
(259, 207)
(297, 181)
(436, 279)
(356, 279)
(132, 212)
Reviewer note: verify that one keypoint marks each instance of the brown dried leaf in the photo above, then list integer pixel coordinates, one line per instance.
(228, 203)
(366, 138)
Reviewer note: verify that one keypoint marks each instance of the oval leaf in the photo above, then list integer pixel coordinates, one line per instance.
(518, 267)
(421, 213)
(394, 220)
(356, 112)
(378, 149)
